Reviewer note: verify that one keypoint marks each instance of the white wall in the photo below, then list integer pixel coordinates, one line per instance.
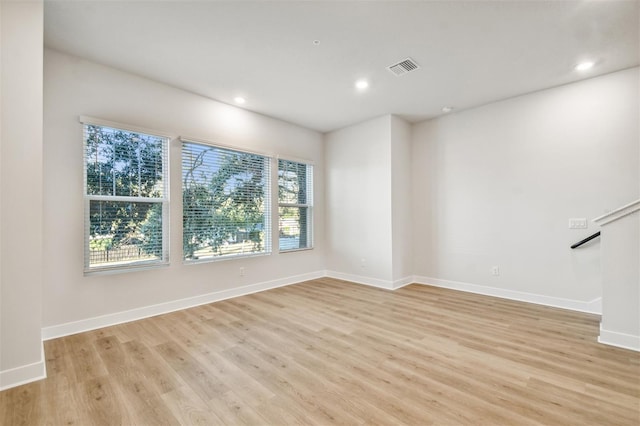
(368, 199)
(496, 185)
(76, 87)
(490, 186)
(401, 191)
(620, 324)
(21, 192)
(358, 193)
(1, 137)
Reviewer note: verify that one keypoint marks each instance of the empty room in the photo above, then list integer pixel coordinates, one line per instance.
(319, 212)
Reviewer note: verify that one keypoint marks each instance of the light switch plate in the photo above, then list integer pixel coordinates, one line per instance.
(578, 223)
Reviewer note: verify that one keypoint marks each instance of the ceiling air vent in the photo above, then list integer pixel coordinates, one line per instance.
(403, 67)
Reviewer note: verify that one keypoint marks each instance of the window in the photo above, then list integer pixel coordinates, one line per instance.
(126, 198)
(295, 201)
(226, 202)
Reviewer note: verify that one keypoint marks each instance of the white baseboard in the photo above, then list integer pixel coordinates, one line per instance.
(373, 282)
(621, 340)
(36, 371)
(24, 374)
(403, 282)
(359, 279)
(592, 307)
(88, 324)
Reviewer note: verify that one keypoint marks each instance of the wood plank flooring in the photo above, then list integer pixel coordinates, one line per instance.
(331, 352)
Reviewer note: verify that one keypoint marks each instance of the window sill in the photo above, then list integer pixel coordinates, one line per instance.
(110, 270)
(224, 258)
(295, 250)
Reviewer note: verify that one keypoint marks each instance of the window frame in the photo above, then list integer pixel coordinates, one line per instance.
(309, 177)
(164, 201)
(267, 200)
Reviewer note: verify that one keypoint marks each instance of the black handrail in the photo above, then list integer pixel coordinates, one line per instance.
(586, 240)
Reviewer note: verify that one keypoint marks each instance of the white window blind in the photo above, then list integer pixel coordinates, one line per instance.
(226, 202)
(126, 198)
(295, 203)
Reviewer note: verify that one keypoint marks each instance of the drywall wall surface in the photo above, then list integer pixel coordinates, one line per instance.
(1, 97)
(74, 87)
(1, 84)
(358, 185)
(401, 217)
(495, 186)
(621, 282)
(21, 192)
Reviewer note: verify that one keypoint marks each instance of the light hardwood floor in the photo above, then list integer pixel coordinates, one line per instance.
(330, 352)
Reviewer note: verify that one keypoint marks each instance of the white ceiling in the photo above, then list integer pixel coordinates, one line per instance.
(470, 52)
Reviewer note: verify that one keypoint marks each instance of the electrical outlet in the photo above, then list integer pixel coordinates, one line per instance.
(242, 271)
(578, 223)
(495, 271)
(363, 263)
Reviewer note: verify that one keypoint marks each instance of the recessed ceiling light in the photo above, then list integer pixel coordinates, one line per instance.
(316, 42)
(362, 84)
(583, 66)
(239, 100)
(447, 109)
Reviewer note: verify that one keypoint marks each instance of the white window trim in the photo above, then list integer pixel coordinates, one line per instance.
(85, 119)
(296, 160)
(225, 146)
(269, 212)
(165, 200)
(309, 206)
